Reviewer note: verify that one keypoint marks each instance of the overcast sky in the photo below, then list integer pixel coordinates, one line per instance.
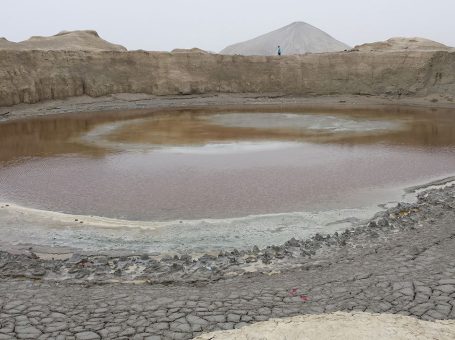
(214, 24)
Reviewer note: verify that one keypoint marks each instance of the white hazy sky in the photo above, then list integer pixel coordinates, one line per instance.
(214, 24)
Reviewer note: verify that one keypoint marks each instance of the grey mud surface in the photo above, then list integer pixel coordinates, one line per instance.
(402, 262)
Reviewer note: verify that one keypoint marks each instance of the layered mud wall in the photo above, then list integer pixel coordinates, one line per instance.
(33, 76)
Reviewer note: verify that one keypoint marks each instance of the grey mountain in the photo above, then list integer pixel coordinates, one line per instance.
(296, 38)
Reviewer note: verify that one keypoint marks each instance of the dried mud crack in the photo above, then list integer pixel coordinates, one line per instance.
(402, 262)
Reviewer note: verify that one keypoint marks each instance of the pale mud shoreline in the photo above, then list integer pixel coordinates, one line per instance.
(60, 233)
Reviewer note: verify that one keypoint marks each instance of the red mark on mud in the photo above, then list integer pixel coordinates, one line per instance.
(293, 291)
(304, 298)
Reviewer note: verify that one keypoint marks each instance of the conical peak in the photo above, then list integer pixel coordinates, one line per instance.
(295, 38)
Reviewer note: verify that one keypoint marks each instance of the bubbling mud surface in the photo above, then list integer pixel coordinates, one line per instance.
(222, 176)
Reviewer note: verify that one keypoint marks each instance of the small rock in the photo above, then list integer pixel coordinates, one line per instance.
(372, 224)
(292, 243)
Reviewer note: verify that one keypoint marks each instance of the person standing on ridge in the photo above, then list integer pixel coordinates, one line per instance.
(279, 50)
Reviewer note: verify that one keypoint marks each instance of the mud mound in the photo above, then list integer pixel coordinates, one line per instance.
(401, 44)
(6, 44)
(189, 50)
(296, 38)
(341, 326)
(68, 41)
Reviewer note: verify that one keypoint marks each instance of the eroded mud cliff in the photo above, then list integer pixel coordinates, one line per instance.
(33, 76)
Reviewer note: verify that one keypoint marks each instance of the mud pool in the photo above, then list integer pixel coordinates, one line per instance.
(194, 180)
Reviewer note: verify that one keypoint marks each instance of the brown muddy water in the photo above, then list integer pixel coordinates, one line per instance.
(264, 167)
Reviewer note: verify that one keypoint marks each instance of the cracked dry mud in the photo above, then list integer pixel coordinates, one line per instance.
(402, 262)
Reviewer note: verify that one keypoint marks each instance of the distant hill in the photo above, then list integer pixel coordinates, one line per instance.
(71, 41)
(296, 38)
(400, 43)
